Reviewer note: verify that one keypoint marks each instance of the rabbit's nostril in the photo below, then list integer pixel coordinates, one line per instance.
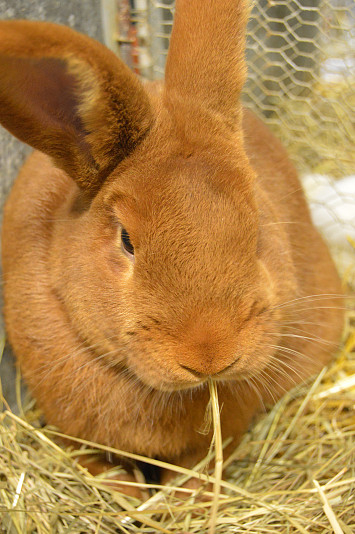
(228, 366)
(208, 371)
(197, 374)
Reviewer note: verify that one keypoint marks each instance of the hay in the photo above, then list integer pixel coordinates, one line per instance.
(318, 129)
(293, 472)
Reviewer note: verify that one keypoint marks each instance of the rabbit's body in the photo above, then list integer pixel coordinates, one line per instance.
(59, 346)
(229, 278)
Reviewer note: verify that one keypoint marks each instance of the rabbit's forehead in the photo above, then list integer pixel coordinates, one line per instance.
(198, 223)
(182, 187)
(185, 206)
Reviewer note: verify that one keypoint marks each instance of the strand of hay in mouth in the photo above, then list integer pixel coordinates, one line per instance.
(217, 442)
(293, 472)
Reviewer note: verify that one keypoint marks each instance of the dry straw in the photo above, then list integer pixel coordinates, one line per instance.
(293, 472)
(319, 131)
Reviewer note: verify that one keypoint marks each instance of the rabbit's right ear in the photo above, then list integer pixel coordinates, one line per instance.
(70, 97)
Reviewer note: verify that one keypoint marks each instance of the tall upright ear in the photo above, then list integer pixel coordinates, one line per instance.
(70, 97)
(205, 67)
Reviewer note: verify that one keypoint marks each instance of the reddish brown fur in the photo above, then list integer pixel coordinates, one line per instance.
(79, 97)
(225, 250)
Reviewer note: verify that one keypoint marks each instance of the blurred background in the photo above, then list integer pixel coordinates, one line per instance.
(301, 61)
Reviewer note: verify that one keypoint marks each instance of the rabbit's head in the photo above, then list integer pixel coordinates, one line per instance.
(158, 250)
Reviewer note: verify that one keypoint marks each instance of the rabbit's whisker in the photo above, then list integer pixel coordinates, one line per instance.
(312, 298)
(308, 338)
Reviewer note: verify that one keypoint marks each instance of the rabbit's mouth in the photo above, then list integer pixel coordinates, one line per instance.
(182, 379)
(197, 383)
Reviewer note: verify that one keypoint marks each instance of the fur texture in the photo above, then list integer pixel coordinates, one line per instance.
(230, 279)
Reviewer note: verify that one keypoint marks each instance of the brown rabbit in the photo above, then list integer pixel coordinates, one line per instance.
(159, 237)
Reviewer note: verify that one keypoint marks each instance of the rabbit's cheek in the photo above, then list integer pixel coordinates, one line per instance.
(256, 344)
(155, 363)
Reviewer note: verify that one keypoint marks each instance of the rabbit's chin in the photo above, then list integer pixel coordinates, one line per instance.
(175, 387)
(170, 385)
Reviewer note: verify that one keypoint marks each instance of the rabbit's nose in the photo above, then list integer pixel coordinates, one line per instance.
(208, 344)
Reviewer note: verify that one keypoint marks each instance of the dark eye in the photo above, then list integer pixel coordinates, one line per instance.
(127, 246)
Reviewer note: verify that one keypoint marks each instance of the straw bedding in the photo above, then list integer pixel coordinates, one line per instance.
(293, 472)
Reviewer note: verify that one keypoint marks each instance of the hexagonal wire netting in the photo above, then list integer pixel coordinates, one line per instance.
(301, 62)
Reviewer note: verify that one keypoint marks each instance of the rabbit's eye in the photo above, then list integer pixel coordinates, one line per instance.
(127, 246)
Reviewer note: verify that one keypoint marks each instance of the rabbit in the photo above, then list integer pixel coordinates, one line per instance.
(157, 238)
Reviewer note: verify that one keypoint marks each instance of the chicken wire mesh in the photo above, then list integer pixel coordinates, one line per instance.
(301, 81)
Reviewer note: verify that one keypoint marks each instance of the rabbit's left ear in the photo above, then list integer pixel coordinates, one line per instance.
(70, 97)
(205, 68)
